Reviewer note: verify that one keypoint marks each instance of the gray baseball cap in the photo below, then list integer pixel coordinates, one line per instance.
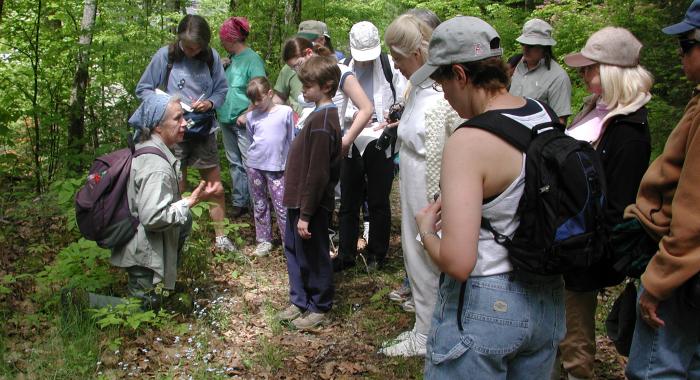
(611, 46)
(536, 32)
(457, 40)
(312, 29)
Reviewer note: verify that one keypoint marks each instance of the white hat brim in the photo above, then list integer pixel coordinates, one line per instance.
(366, 55)
(536, 41)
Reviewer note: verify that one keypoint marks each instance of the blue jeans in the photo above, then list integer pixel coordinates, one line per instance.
(236, 143)
(671, 351)
(512, 324)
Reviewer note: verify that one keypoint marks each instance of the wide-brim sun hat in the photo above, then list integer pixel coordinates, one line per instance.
(365, 44)
(537, 32)
(459, 39)
(611, 46)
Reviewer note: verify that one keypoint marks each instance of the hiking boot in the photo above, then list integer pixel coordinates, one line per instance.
(309, 320)
(224, 244)
(412, 345)
(263, 249)
(409, 305)
(400, 294)
(288, 314)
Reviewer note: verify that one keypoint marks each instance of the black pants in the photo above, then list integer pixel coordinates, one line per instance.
(374, 172)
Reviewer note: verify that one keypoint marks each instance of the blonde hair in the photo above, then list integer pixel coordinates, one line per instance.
(622, 85)
(407, 34)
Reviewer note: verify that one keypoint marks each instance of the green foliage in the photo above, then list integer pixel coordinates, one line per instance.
(662, 119)
(82, 265)
(129, 315)
(8, 280)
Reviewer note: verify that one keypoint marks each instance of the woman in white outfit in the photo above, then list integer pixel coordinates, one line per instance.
(407, 38)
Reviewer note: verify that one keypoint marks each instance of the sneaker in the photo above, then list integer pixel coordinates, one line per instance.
(412, 345)
(309, 320)
(403, 336)
(365, 231)
(409, 305)
(288, 314)
(263, 249)
(400, 294)
(224, 244)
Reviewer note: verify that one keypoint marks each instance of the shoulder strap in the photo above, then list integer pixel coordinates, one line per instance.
(504, 127)
(150, 150)
(388, 72)
(168, 70)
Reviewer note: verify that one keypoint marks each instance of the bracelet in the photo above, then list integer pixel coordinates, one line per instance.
(428, 233)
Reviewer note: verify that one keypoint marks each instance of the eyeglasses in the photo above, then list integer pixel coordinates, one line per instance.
(687, 45)
(437, 87)
(297, 64)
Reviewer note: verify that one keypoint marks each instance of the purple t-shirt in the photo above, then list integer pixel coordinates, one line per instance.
(270, 135)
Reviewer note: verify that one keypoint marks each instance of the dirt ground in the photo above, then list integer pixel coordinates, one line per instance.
(232, 333)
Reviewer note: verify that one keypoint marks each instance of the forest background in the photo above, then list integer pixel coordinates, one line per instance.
(68, 69)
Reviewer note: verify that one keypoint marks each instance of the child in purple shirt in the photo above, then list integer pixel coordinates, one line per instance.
(270, 131)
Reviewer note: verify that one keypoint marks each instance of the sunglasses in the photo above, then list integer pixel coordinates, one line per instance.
(687, 45)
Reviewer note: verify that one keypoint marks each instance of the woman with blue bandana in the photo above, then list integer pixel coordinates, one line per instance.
(151, 256)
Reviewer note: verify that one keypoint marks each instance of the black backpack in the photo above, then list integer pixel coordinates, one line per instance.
(386, 69)
(101, 205)
(562, 223)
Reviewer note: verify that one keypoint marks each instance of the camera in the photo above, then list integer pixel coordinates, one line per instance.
(395, 112)
(388, 136)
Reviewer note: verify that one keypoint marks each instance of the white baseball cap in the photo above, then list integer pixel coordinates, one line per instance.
(364, 41)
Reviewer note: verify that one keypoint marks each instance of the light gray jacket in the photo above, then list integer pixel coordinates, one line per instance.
(154, 198)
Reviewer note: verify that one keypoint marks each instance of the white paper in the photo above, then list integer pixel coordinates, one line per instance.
(186, 107)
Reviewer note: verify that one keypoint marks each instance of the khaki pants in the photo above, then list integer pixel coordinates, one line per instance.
(578, 347)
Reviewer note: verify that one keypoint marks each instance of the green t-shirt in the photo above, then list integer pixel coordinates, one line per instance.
(244, 66)
(288, 84)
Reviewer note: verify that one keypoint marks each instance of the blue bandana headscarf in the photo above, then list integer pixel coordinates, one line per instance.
(149, 113)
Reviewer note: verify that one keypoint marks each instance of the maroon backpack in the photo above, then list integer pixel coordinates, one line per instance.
(101, 205)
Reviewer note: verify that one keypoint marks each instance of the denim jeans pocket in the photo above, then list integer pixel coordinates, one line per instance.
(496, 318)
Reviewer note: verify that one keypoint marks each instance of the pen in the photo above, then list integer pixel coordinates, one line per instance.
(200, 98)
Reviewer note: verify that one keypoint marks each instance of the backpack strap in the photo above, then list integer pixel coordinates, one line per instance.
(504, 127)
(510, 130)
(150, 150)
(388, 72)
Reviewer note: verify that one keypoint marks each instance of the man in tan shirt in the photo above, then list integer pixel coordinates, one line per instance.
(666, 340)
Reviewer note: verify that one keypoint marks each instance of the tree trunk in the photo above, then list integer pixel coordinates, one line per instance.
(271, 34)
(76, 129)
(1, 3)
(297, 12)
(232, 5)
(36, 148)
